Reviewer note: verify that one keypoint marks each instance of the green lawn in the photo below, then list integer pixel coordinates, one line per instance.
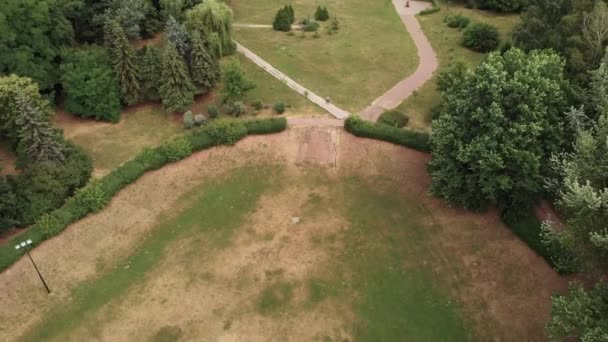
(446, 43)
(370, 53)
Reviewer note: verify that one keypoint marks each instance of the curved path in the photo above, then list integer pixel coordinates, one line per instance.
(389, 100)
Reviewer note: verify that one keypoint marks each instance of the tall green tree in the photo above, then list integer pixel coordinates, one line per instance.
(150, 66)
(91, 90)
(204, 67)
(123, 59)
(497, 128)
(129, 14)
(173, 8)
(32, 33)
(37, 138)
(282, 21)
(212, 17)
(176, 88)
(235, 83)
(177, 35)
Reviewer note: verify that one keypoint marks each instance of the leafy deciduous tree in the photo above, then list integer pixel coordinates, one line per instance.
(235, 84)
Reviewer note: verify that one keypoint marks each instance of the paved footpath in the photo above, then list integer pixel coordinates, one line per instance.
(332, 109)
(389, 100)
(424, 72)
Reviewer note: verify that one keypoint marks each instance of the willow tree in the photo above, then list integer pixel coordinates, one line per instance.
(212, 17)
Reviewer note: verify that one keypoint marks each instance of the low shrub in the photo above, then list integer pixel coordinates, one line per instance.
(213, 112)
(416, 140)
(394, 118)
(481, 37)
(226, 132)
(257, 105)
(50, 224)
(236, 108)
(91, 197)
(188, 120)
(311, 26)
(279, 107)
(458, 21)
(199, 119)
(176, 149)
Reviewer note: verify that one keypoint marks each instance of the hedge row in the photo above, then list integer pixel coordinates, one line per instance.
(97, 194)
(416, 140)
(433, 9)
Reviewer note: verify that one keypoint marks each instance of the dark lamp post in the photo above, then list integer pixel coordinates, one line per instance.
(25, 244)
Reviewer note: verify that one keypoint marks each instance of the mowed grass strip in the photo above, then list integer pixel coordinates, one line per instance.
(217, 207)
(369, 54)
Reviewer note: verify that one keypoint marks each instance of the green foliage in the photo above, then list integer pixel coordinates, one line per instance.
(580, 315)
(266, 126)
(48, 225)
(457, 21)
(150, 67)
(394, 118)
(279, 107)
(204, 67)
(335, 25)
(236, 108)
(481, 37)
(556, 24)
(172, 8)
(32, 33)
(498, 126)
(226, 132)
(213, 111)
(257, 105)
(89, 84)
(291, 13)
(123, 59)
(176, 149)
(91, 198)
(322, 14)
(128, 14)
(188, 120)
(200, 119)
(358, 127)
(176, 34)
(176, 89)
(529, 229)
(282, 21)
(561, 248)
(431, 10)
(213, 18)
(235, 83)
(311, 26)
(499, 5)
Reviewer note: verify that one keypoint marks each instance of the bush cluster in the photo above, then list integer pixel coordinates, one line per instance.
(236, 108)
(394, 118)
(95, 196)
(310, 26)
(481, 37)
(457, 21)
(416, 140)
(279, 108)
(322, 14)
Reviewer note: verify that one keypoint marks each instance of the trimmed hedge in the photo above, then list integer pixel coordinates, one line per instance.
(95, 195)
(416, 140)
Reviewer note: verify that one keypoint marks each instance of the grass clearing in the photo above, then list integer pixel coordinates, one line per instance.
(369, 54)
(446, 43)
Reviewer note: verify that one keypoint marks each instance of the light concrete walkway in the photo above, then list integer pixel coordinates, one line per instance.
(337, 112)
(424, 72)
(389, 100)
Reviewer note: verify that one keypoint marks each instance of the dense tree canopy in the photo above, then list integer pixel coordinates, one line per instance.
(204, 67)
(123, 59)
(176, 89)
(32, 33)
(498, 126)
(212, 17)
(89, 83)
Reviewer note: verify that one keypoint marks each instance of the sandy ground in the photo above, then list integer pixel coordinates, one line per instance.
(7, 162)
(503, 286)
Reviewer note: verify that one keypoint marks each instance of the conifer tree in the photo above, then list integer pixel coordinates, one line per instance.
(37, 138)
(204, 68)
(123, 59)
(150, 66)
(282, 21)
(177, 35)
(291, 13)
(321, 14)
(176, 89)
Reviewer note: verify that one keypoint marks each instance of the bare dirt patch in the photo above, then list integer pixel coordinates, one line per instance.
(7, 162)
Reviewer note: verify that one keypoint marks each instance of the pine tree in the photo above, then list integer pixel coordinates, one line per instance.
(122, 57)
(177, 35)
(176, 88)
(150, 66)
(282, 21)
(37, 138)
(204, 68)
(291, 13)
